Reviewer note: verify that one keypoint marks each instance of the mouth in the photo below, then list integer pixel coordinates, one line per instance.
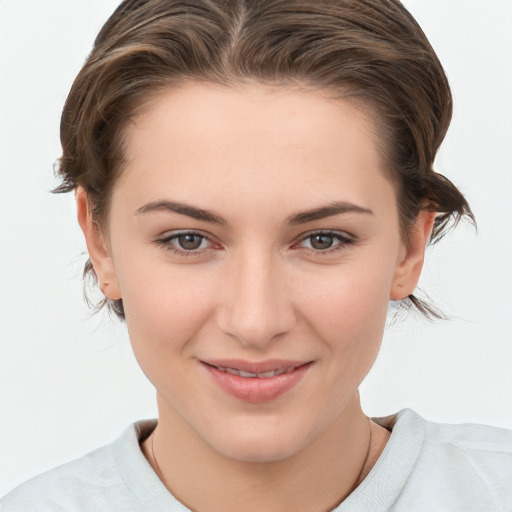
(256, 382)
(253, 375)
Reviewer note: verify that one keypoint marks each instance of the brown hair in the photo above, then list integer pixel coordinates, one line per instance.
(372, 51)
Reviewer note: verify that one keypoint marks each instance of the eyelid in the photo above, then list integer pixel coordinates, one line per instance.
(345, 239)
(329, 232)
(167, 235)
(165, 240)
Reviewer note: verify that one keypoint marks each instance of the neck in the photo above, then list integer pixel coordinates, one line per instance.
(317, 477)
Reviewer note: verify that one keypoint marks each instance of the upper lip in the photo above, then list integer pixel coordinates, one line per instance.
(256, 366)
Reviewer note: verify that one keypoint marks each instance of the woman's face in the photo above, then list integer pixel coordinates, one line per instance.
(254, 239)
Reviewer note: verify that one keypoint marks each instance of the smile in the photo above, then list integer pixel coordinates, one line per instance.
(256, 382)
(257, 375)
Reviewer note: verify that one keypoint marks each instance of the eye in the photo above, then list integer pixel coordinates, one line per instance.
(190, 241)
(325, 241)
(321, 241)
(185, 242)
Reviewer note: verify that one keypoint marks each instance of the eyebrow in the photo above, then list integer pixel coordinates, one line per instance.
(330, 210)
(322, 212)
(183, 209)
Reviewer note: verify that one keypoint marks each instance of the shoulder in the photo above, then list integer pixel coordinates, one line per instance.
(482, 449)
(85, 484)
(471, 438)
(454, 466)
(66, 487)
(473, 457)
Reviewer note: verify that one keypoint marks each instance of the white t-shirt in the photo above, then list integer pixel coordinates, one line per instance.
(425, 467)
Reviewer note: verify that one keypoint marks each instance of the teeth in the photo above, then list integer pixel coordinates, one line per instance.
(251, 375)
(274, 373)
(247, 374)
(268, 374)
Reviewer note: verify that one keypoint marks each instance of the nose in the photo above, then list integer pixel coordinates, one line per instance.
(256, 306)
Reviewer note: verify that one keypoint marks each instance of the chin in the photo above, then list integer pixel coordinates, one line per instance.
(257, 452)
(258, 443)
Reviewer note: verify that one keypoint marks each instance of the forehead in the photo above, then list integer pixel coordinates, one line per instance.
(255, 114)
(252, 142)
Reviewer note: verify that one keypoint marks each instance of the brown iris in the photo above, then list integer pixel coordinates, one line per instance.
(322, 241)
(189, 241)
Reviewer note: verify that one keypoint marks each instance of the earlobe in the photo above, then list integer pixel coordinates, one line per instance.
(408, 269)
(97, 247)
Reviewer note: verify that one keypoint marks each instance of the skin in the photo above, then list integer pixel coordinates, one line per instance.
(257, 288)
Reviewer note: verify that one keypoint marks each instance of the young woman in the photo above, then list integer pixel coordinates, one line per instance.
(255, 183)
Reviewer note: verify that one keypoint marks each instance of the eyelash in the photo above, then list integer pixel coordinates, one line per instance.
(166, 243)
(343, 242)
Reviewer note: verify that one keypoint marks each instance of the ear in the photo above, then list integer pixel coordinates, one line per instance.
(408, 270)
(97, 247)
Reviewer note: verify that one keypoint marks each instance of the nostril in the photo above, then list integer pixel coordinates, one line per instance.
(254, 305)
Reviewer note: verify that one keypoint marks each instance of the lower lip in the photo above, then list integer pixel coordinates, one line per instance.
(254, 389)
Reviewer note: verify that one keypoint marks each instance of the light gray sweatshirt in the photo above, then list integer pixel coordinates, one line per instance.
(425, 467)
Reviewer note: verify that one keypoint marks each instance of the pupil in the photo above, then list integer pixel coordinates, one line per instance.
(322, 241)
(190, 242)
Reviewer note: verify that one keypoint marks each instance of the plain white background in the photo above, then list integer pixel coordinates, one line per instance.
(69, 383)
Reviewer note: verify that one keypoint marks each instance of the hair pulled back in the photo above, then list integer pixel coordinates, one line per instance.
(371, 51)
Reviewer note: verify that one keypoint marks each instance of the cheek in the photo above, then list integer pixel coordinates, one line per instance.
(165, 306)
(349, 318)
(351, 304)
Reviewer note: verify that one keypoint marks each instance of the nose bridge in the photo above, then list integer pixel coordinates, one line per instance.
(256, 306)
